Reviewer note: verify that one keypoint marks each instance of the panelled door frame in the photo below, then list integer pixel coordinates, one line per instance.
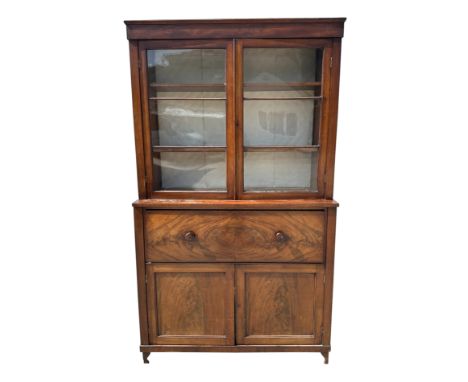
(230, 119)
(326, 45)
(156, 338)
(242, 310)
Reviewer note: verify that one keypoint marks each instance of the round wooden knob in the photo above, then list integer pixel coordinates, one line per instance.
(280, 237)
(190, 236)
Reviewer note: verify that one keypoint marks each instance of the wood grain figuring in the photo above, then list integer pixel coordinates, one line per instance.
(235, 236)
(190, 304)
(274, 306)
(279, 304)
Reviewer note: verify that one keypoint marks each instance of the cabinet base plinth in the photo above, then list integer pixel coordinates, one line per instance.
(146, 349)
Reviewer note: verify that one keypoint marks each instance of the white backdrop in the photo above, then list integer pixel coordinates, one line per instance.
(67, 269)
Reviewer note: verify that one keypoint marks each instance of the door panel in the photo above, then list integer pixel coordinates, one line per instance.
(191, 304)
(279, 304)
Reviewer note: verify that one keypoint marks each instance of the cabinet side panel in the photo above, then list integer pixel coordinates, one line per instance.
(329, 270)
(333, 118)
(137, 120)
(141, 274)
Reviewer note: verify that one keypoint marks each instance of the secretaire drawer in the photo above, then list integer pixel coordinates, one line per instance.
(237, 236)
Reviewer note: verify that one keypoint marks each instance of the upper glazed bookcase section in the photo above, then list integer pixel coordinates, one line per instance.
(249, 28)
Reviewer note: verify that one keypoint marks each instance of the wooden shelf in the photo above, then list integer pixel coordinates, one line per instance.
(273, 190)
(305, 149)
(281, 98)
(188, 87)
(280, 86)
(187, 98)
(157, 149)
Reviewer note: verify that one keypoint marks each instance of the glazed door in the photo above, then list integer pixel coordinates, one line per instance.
(188, 109)
(249, 125)
(279, 304)
(281, 99)
(190, 304)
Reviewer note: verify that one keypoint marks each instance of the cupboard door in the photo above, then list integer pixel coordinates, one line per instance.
(190, 304)
(279, 304)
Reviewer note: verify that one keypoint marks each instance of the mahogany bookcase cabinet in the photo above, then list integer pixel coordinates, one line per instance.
(235, 130)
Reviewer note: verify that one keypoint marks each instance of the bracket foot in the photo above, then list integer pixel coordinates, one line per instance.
(325, 356)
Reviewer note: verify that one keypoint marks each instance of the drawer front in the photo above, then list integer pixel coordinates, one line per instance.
(235, 236)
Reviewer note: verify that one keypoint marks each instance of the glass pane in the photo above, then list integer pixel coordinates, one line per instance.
(189, 123)
(279, 65)
(282, 99)
(186, 66)
(187, 105)
(190, 171)
(280, 171)
(279, 122)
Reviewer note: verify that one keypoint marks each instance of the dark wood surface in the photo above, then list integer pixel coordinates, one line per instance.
(279, 304)
(208, 204)
(235, 236)
(333, 118)
(235, 271)
(141, 275)
(315, 20)
(137, 119)
(329, 272)
(235, 348)
(191, 304)
(254, 28)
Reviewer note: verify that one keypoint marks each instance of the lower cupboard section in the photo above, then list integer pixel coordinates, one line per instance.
(227, 304)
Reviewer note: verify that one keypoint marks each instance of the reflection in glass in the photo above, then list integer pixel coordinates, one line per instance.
(190, 171)
(280, 171)
(278, 122)
(186, 66)
(189, 123)
(276, 65)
